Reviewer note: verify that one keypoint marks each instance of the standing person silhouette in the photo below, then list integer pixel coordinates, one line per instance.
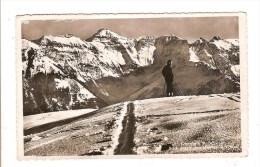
(168, 76)
(31, 54)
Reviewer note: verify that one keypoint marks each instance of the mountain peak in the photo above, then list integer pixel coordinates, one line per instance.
(201, 40)
(103, 29)
(66, 35)
(215, 38)
(146, 38)
(106, 33)
(171, 37)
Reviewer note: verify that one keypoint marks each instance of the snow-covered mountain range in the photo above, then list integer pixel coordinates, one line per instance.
(65, 72)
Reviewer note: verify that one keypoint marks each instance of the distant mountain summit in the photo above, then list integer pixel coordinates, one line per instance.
(125, 48)
(104, 34)
(65, 72)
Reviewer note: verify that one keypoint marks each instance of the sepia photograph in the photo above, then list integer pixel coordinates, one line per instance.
(131, 84)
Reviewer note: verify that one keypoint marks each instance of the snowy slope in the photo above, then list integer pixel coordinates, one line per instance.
(37, 120)
(216, 53)
(193, 57)
(190, 124)
(233, 41)
(28, 45)
(82, 56)
(222, 44)
(173, 125)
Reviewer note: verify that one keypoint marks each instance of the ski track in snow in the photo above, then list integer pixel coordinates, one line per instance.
(118, 130)
(126, 138)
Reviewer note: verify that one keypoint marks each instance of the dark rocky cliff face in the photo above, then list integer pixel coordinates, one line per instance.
(41, 94)
(171, 48)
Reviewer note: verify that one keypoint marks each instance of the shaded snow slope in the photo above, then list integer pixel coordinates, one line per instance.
(89, 135)
(185, 124)
(37, 120)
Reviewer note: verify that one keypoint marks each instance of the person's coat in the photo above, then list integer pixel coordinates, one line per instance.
(167, 73)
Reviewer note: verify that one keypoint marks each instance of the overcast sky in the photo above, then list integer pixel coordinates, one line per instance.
(186, 28)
